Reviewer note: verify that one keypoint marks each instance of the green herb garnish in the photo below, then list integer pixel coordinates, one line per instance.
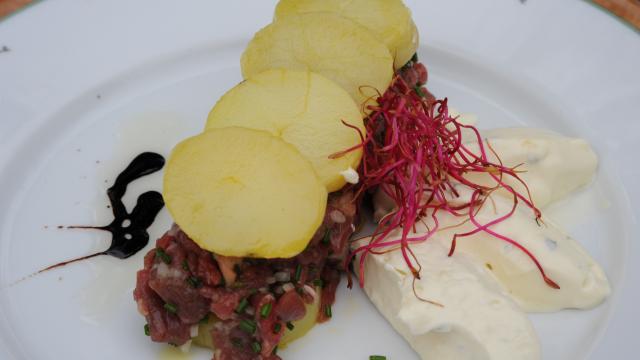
(298, 273)
(327, 310)
(171, 308)
(166, 258)
(248, 326)
(276, 328)
(242, 305)
(265, 310)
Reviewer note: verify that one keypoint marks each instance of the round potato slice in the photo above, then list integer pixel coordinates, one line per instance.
(305, 109)
(389, 20)
(243, 192)
(325, 43)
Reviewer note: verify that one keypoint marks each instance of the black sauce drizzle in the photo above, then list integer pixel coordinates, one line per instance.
(128, 230)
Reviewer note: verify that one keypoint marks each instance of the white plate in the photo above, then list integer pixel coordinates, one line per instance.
(88, 84)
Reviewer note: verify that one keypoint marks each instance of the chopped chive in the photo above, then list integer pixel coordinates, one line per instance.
(166, 258)
(248, 326)
(265, 310)
(327, 237)
(204, 320)
(147, 331)
(171, 308)
(276, 328)
(290, 326)
(377, 357)
(242, 305)
(255, 346)
(327, 310)
(318, 282)
(298, 273)
(194, 281)
(185, 265)
(419, 91)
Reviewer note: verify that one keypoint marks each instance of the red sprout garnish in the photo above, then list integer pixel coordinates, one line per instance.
(413, 151)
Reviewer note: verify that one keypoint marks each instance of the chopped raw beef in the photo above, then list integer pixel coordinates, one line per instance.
(252, 299)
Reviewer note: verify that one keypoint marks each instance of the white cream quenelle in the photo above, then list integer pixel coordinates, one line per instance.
(582, 281)
(476, 322)
(552, 165)
(486, 271)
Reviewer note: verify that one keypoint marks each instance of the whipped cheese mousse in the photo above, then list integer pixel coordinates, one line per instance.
(550, 164)
(474, 319)
(582, 281)
(472, 303)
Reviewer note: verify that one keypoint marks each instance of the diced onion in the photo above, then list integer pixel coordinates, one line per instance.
(194, 331)
(164, 271)
(311, 291)
(337, 216)
(282, 276)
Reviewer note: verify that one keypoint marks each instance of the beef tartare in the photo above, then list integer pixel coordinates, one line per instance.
(246, 304)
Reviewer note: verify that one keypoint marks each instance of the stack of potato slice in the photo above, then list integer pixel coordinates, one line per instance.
(238, 192)
(255, 182)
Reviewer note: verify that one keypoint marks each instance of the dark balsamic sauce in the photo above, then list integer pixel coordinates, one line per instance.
(128, 230)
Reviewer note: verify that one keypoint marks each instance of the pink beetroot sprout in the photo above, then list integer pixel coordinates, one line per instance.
(413, 151)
